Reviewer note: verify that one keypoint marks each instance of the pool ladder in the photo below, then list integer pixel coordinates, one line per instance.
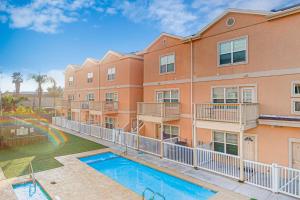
(154, 194)
(32, 191)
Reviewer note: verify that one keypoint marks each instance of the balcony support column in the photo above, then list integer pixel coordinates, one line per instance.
(194, 134)
(241, 153)
(137, 133)
(161, 140)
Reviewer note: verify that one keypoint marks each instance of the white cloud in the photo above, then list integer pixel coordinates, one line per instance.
(45, 15)
(30, 85)
(111, 11)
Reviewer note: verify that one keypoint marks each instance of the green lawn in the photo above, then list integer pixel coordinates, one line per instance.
(14, 161)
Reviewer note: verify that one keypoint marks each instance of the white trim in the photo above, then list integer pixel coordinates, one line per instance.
(268, 73)
(231, 43)
(293, 111)
(158, 38)
(292, 88)
(180, 81)
(166, 90)
(291, 141)
(254, 12)
(164, 55)
(106, 88)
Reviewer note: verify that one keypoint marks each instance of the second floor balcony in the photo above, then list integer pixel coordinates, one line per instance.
(229, 117)
(103, 107)
(158, 112)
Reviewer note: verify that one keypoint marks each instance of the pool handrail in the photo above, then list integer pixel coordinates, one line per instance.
(152, 192)
(160, 195)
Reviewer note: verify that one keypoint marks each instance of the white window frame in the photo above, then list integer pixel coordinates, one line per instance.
(293, 111)
(170, 127)
(90, 76)
(225, 141)
(72, 97)
(111, 73)
(231, 41)
(167, 90)
(166, 55)
(224, 93)
(113, 122)
(70, 80)
(114, 94)
(89, 95)
(293, 88)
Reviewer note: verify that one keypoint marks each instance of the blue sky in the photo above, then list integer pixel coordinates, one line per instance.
(44, 36)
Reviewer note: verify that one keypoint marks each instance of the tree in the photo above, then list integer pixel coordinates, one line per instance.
(17, 79)
(10, 103)
(40, 79)
(54, 91)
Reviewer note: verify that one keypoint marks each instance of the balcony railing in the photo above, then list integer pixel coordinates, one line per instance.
(163, 110)
(63, 104)
(234, 113)
(104, 106)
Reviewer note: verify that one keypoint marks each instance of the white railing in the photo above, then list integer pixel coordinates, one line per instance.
(178, 153)
(271, 177)
(149, 145)
(225, 164)
(227, 112)
(258, 174)
(289, 181)
(166, 109)
(172, 140)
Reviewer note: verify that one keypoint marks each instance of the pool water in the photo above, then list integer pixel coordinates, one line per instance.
(138, 177)
(27, 191)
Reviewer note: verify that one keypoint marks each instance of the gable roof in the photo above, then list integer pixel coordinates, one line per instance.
(121, 56)
(158, 38)
(242, 11)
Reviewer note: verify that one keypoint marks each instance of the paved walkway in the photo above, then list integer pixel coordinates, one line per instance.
(202, 175)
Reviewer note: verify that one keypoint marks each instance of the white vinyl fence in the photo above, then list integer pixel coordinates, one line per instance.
(271, 177)
(221, 163)
(178, 153)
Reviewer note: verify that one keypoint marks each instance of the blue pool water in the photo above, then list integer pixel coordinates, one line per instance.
(138, 177)
(27, 191)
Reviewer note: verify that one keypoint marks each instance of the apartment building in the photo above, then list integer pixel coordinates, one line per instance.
(234, 87)
(246, 69)
(104, 92)
(166, 110)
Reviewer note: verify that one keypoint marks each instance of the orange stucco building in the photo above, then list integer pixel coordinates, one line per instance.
(234, 87)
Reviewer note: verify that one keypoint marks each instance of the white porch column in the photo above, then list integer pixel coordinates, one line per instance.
(241, 153)
(194, 134)
(137, 133)
(161, 140)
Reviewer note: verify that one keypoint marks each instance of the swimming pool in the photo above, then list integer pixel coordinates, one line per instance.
(138, 177)
(27, 191)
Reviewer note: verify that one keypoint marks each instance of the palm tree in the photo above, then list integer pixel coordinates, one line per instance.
(40, 79)
(54, 91)
(17, 79)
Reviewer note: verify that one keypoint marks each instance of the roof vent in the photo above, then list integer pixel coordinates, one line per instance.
(230, 21)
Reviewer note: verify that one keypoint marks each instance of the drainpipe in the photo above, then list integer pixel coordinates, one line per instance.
(194, 136)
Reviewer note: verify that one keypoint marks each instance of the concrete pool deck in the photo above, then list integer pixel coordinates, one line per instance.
(76, 180)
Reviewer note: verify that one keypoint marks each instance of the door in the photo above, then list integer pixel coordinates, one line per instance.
(248, 95)
(296, 155)
(249, 147)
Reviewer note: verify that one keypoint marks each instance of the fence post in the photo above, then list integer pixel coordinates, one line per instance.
(275, 178)
(114, 136)
(194, 133)
(161, 140)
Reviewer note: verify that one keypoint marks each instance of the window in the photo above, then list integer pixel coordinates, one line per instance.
(111, 96)
(90, 77)
(296, 106)
(71, 97)
(225, 95)
(109, 122)
(170, 131)
(225, 142)
(111, 73)
(167, 96)
(167, 64)
(296, 88)
(90, 97)
(71, 79)
(232, 52)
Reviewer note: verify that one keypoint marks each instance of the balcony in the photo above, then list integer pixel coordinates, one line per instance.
(96, 107)
(158, 112)
(63, 104)
(227, 117)
(110, 107)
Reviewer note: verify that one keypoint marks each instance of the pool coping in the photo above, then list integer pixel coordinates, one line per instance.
(41, 186)
(220, 192)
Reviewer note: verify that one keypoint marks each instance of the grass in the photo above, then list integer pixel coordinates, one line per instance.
(15, 161)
